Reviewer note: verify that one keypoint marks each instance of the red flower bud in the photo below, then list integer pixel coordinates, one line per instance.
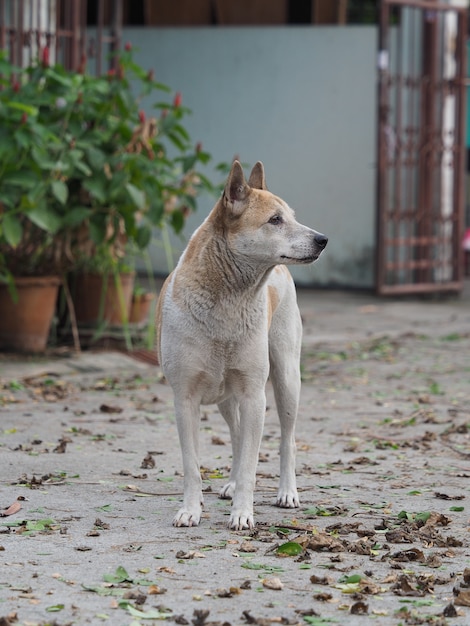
(142, 116)
(24, 118)
(128, 46)
(178, 99)
(82, 66)
(111, 73)
(16, 86)
(150, 75)
(45, 56)
(198, 147)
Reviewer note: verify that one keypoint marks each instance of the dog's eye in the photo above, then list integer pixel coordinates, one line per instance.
(275, 220)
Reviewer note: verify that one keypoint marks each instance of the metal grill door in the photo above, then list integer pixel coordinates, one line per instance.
(421, 147)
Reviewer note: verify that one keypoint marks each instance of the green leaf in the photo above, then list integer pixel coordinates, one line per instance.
(24, 108)
(177, 221)
(60, 191)
(97, 189)
(457, 509)
(143, 237)
(291, 548)
(150, 614)
(106, 508)
(45, 218)
(318, 621)
(96, 157)
(105, 591)
(137, 196)
(40, 525)
(119, 576)
(26, 179)
(350, 580)
(76, 216)
(12, 229)
(55, 608)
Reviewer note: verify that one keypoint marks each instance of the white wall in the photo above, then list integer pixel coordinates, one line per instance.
(300, 99)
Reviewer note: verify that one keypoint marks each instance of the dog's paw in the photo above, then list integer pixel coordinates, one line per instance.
(187, 518)
(241, 521)
(227, 491)
(288, 499)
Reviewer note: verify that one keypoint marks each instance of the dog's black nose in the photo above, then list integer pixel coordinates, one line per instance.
(320, 240)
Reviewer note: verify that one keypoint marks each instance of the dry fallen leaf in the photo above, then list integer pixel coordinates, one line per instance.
(11, 510)
(462, 598)
(359, 608)
(273, 583)
(108, 408)
(217, 441)
(148, 462)
(192, 554)
(247, 546)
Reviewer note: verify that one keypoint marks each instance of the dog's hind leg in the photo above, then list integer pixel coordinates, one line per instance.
(187, 419)
(230, 411)
(284, 353)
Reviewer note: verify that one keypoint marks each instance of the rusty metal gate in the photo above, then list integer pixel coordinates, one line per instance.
(421, 146)
(28, 27)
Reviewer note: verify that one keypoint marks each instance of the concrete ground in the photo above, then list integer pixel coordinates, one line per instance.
(90, 478)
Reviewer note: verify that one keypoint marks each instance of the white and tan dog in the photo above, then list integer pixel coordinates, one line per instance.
(226, 318)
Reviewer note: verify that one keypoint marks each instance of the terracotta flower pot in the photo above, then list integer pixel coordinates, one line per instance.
(90, 293)
(25, 325)
(140, 307)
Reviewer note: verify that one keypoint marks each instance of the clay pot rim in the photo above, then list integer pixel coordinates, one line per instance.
(29, 281)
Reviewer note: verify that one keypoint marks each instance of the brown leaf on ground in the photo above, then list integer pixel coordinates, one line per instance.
(320, 580)
(320, 542)
(108, 408)
(359, 608)
(247, 546)
(138, 597)
(272, 583)
(450, 611)
(445, 496)
(399, 536)
(11, 510)
(148, 462)
(62, 445)
(466, 576)
(413, 554)
(462, 597)
(192, 554)
(324, 596)
(217, 441)
(437, 519)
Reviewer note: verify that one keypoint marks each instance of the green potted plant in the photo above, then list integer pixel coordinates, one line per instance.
(85, 174)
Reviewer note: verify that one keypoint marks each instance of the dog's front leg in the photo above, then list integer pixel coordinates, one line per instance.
(252, 412)
(187, 419)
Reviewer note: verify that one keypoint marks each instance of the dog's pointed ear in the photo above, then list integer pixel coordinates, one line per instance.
(236, 188)
(257, 179)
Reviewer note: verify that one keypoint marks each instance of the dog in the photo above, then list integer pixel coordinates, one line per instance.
(227, 317)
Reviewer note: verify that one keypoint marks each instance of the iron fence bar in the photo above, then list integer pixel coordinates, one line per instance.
(382, 63)
(27, 26)
(420, 190)
(420, 288)
(428, 5)
(461, 74)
